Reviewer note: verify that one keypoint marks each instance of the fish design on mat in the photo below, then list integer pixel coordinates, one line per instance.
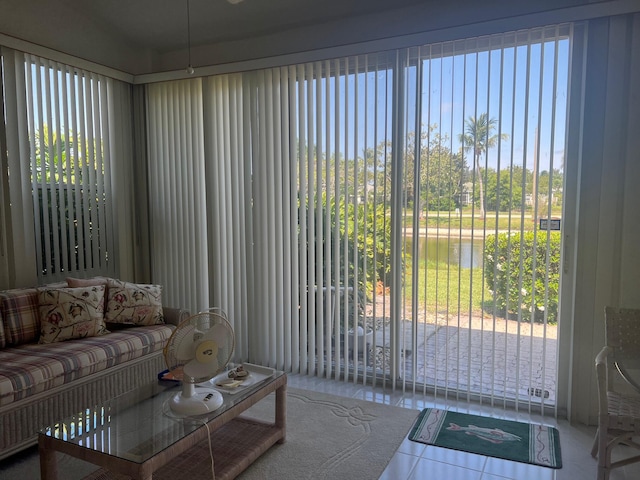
(493, 435)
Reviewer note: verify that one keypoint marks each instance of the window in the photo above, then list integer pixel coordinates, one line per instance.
(68, 138)
(67, 148)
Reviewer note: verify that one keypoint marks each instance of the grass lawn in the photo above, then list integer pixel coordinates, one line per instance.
(448, 288)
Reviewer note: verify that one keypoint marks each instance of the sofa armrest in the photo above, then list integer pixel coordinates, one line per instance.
(174, 316)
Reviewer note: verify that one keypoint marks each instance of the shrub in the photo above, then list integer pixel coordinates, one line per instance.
(368, 246)
(512, 286)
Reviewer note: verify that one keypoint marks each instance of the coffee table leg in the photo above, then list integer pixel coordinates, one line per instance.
(48, 462)
(281, 411)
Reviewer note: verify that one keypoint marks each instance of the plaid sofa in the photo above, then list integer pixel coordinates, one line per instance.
(42, 383)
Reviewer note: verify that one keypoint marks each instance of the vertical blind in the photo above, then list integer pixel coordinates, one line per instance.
(273, 314)
(278, 194)
(228, 179)
(311, 190)
(179, 253)
(5, 264)
(62, 159)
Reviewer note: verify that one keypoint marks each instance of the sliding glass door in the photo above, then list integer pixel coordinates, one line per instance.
(481, 216)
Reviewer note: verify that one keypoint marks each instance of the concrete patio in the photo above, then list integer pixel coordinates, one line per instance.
(496, 358)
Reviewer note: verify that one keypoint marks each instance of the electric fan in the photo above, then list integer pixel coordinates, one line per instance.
(199, 348)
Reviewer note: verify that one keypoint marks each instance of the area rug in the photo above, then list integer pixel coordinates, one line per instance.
(328, 437)
(516, 441)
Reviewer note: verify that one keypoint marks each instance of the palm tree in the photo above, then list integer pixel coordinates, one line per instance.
(478, 135)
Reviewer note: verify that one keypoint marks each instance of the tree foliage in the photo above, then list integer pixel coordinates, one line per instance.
(440, 172)
(478, 137)
(503, 190)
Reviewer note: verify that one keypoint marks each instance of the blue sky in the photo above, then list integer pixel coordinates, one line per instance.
(514, 85)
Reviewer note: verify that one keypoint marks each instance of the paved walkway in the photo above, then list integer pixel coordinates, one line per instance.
(495, 357)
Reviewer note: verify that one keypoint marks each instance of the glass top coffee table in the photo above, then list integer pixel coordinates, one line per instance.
(137, 435)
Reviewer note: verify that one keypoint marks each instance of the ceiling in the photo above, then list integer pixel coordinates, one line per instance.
(145, 36)
(161, 25)
(149, 37)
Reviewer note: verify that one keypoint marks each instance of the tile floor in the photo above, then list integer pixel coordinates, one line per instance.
(413, 461)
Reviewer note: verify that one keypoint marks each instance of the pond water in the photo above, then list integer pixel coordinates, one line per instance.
(464, 252)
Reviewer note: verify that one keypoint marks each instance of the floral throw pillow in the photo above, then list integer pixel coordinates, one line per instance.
(133, 303)
(68, 313)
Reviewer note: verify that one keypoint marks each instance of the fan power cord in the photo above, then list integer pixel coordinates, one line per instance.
(213, 471)
(166, 410)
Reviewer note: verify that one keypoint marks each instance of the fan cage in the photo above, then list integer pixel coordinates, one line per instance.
(197, 325)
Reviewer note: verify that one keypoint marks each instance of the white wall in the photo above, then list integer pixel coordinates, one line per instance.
(59, 26)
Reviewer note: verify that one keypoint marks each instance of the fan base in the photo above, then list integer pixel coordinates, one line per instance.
(203, 400)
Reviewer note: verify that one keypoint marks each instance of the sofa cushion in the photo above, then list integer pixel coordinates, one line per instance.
(133, 304)
(68, 313)
(29, 369)
(20, 314)
(21, 317)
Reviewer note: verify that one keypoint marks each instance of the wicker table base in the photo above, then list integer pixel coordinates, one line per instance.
(235, 446)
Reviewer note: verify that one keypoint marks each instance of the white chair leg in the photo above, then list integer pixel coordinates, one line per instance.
(603, 474)
(604, 457)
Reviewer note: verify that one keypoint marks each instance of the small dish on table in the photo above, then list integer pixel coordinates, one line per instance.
(232, 385)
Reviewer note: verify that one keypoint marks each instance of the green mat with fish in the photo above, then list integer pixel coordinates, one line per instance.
(516, 441)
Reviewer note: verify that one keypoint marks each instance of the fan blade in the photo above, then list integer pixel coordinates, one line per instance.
(185, 348)
(219, 333)
(199, 370)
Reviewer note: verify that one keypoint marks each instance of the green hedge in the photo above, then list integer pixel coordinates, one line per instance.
(513, 289)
